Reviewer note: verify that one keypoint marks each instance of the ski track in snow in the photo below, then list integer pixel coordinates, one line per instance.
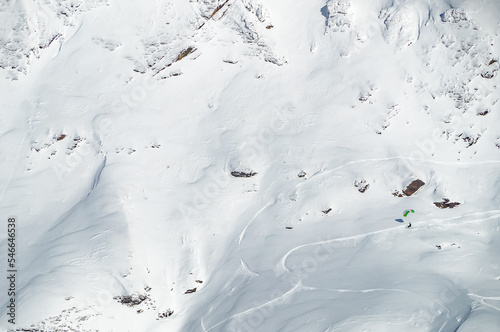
(242, 235)
(285, 268)
(289, 293)
(322, 173)
(299, 287)
(483, 300)
(361, 236)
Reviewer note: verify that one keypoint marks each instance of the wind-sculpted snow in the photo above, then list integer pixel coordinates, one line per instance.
(244, 165)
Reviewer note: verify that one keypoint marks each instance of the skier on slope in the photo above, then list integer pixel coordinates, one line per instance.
(405, 214)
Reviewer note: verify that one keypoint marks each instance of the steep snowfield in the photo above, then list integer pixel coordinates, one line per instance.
(122, 121)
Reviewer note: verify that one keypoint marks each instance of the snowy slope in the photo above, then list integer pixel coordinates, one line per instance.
(121, 123)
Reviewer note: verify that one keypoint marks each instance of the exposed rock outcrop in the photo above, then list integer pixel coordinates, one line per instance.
(413, 187)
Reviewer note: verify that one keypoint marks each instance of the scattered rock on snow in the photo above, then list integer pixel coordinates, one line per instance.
(338, 15)
(470, 140)
(131, 300)
(361, 185)
(166, 314)
(397, 193)
(401, 25)
(413, 187)
(446, 204)
(454, 15)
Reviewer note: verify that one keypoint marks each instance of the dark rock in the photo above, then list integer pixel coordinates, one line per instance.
(189, 291)
(288, 227)
(126, 300)
(238, 174)
(302, 174)
(482, 112)
(413, 187)
(327, 211)
(446, 204)
(199, 281)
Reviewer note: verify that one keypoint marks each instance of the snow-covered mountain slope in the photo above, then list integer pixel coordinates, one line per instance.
(241, 165)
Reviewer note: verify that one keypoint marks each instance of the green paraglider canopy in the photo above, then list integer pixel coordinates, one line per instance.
(407, 212)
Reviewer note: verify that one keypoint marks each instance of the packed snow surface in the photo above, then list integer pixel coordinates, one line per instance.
(242, 165)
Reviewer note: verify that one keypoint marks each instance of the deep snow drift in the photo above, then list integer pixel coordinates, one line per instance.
(240, 165)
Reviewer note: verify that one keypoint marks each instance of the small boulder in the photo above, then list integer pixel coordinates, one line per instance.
(166, 314)
(482, 112)
(488, 74)
(189, 291)
(446, 204)
(238, 174)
